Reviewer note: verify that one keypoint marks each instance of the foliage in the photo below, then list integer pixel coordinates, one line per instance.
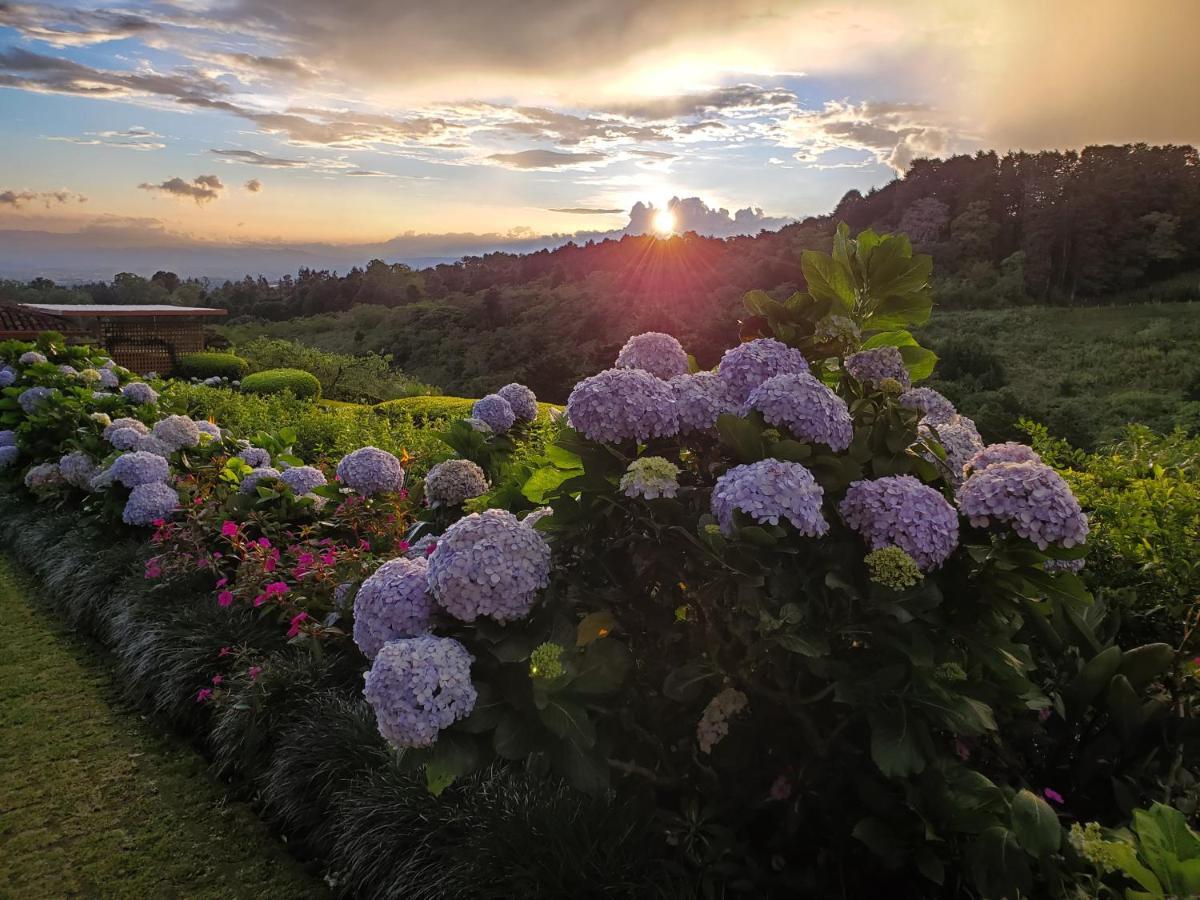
(303, 385)
(209, 365)
(1158, 856)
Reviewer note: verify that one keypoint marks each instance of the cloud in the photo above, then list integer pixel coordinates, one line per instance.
(653, 154)
(726, 99)
(693, 214)
(202, 188)
(586, 210)
(135, 138)
(61, 27)
(253, 158)
(17, 199)
(545, 159)
(893, 133)
(254, 186)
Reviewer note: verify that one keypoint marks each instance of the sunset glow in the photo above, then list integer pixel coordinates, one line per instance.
(664, 221)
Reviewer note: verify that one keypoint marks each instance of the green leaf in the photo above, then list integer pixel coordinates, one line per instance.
(587, 771)
(684, 683)
(545, 480)
(813, 646)
(563, 458)
(930, 866)
(894, 744)
(881, 840)
(1142, 665)
(742, 436)
(898, 311)
(999, 868)
(569, 721)
(1125, 708)
(1035, 824)
(828, 281)
(919, 362)
(513, 738)
(604, 668)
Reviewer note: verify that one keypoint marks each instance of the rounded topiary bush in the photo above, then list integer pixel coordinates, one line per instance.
(275, 381)
(209, 364)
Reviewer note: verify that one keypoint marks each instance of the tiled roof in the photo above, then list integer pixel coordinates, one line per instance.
(23, 320)
(96, 310)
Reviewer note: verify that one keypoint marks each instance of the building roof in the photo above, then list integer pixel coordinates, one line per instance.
(107, 310)
(18, 320)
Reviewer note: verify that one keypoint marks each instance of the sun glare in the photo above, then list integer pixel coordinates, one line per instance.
(664, 221)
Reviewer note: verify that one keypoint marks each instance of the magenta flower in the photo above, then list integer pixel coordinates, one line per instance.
(221, 582)
(229, 529)
(225, 598)
(402, 545)
(225, 651)
(329, 558)
(263, 542)
(152, 569)
(963, 751)
(1053, 795)
(781, 788)
(296, 621)
(217, 679)
(276, 587)
(254, 672)
(203, 694)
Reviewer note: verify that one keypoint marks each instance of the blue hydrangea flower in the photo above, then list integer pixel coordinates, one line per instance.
(109, 379)
(1009, 451)
(148, 502)
(746, 366)
(394, 602)
(650, 477)
(133, 469)
(900, 511)
(68, 370)
(767, 491)
(209, 428)
(115, 424)
(78, 469)
(139, 392)
(495, 411)
(255, 457)
(251, 479)
(33, 397)
(43, 477)
(1059, 566)
(417, 687)
(177, 432)
(489, 564)
(623, 405)
(1030, 498)
(7, 377)
(805, 407)
(8, 456)
(699, 400)
(150, 444)
(534, 516)
(654, 352)
(124, 438)
(302, 479)
(369, 470)
(522, 400)
(933, 406)
(873, 366)
(31, 358)
(8, 437)
(959, 438)
(453, 482)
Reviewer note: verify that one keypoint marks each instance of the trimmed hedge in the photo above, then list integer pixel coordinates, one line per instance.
(275, 381)
(208, 364)
(422, 409)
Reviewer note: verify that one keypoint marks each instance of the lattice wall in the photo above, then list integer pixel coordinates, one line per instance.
(151, 344)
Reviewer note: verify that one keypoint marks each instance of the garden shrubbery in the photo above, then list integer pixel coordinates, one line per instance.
(212, 365)
(301, 384)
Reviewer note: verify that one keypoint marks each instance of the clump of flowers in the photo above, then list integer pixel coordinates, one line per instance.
(873, 366)
(392, 603)
(453, 482)
(302, 479)
(68, 370)
(177, 432)
(959, 438)
(806, 408)
(31, 358)
(900, 511)
(1090, 843)
(623, 405)
(714, 721)
(255, 457)
(31, 398)
(8, 437)
(659, 354)
(746, 366)
(767, 491)
(132, 424)
(90, 376)
(139, 392)
(1029, 497)
(149, 502)
(43, 477)
(148, 443)
(892, 567)
(369, 470)
(545, 661)
(7, 377)
(417, 687)
(699, 400)
(251, 479)
(132, 469)
(534, 516)
(650, 477)
(8, 455)
(495, 411)
(837, 330)
(1060, 566)
(933, 406)
(489, 564)
(78, 469)
(1009, 451)
(109, 379)
(208, 428)
(522, 400)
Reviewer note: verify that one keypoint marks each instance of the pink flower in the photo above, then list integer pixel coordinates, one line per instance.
(329, 558)
(1053, 795)
(363, 545)
(429, 549)
(254, 672)
(263, 542)
(217, 679)
(781, 788)
(197, 501)
(203, 694)
(221, 582)
(269, 564)
(306, 559)
(225, 651)
(1044, 714)
(963, 751)
(403, 493)
(152, 568)
(402, 545)
(296, 620)
(229, 529)
(277, 587)
(260, 599)
(225, 598)
(159, 523)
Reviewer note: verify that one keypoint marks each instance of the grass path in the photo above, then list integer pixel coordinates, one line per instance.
(95, 801)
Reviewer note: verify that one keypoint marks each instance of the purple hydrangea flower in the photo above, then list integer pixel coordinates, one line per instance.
(32, 398)
(8, 437)
(78, 469)
(302, 479)
(255, 457)
(148, 502)
(177, 432)
(959, 438)
(1029, 497)
(150, 444)
(495, 411)
(767, 491)
(392, 603)
(699, 400)
(933, 406)
(124, 438)
(453, 482)
(109, 379)
(369, 470)
(654, 352)
(134, 424)
(7, 377)
(534, 516)
(623, 405)
(31, 358)
(417, 687)
(522, 400)
(873, 366)
(805, 407)
(489, 564)
(212, 430)
(43, 477)
(1059, 566)
(251, 479)
(746, 366)
(67, 370)
(8, 456)
(900, 511)
(133, 469)
(1009, 451)
(139, 392)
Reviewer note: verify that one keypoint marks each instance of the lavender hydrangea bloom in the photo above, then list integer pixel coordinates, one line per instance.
(209, 428)
(177, 432)
(659, 354)
(7, 377)
(454, 481)
(31, 358)
(148, 502)
(959, 438)
(8, 456)
(522, 400)
(133, 469)
(873, 366)
(68, 370)
(109, 379)
(1029, 497)
(933, 406)
(767, 491)
(534, 516)
(489, 564)
(417, 687)
(148, 443)
(115, 424)
(806, 408)
(699, 400)
(369, 470)
(139, 392)
(392, 603)
(1009, 451)
(43, 477)
(8, 438)
(124, 438)
(622, 405)
(650, 477)
(255, 457)
(496, 411)
(900, 511)
(302, 479)
(746, 366)
(251, 479)
(1059, 566)
(32, 398)
(78, 469)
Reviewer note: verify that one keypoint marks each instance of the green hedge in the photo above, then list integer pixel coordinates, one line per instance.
(206, 365)
(422, 409)
(275, 381)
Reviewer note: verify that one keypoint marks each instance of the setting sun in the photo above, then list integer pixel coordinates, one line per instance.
(664, 221)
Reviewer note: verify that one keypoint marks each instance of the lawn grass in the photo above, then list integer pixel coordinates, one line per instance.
(95, 801)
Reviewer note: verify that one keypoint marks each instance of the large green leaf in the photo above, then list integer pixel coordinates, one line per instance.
(569, 721)
(894, 744)
(900, 310)
(828, 281)
(742, 436)
(604, 667)
(542, 482)
(1035, 824)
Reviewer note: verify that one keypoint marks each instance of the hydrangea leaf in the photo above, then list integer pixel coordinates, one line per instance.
(1035, 824)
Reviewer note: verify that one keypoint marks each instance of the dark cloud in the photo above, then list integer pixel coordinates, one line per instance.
(586, 210)
(17, 199)
(254, 186)
(545, 159)
(726, 99)
(73, 27)
(254, 158)
(50, 74)
(202, 188)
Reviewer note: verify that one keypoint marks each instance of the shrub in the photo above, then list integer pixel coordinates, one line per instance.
(428, 409)
(303, 385)
(354, 379)
(209, 365)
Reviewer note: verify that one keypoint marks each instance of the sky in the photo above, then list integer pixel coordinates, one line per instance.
(435, 129)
